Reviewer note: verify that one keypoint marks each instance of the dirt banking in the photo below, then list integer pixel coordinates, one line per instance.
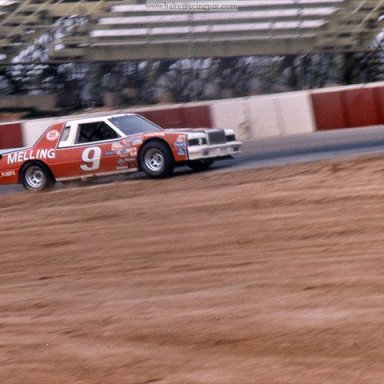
(260, 276)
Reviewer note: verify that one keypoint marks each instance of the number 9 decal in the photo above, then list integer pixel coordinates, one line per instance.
(91, 157)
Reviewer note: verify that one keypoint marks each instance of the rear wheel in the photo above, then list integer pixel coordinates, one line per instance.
(36, 177)
(156, 159)
(200, 165)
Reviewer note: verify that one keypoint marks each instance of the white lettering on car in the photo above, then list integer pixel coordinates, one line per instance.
(91, 157)
(51, 154)
(40, 154)
(12, 157)
(7, 174)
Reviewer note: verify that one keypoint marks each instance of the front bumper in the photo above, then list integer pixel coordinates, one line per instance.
(198, 152)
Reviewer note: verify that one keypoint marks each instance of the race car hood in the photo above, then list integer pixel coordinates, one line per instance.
(186, 130)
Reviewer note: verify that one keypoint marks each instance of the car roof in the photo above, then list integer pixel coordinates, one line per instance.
(85, 119)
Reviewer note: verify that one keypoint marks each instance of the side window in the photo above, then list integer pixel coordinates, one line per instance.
(97, 131)
(64, 135)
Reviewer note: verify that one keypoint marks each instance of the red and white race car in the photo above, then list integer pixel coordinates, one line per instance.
(101, 146)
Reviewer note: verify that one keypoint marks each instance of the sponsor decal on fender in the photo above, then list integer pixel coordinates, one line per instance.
(121, 148)
(136, 141)
(52, 135)
(40, 154)
(124, 149)
(122, 163)
(180, 141)
(7, 174)
(180, 145)
(133, 152)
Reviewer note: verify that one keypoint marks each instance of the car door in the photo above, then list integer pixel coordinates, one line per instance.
(87, 149)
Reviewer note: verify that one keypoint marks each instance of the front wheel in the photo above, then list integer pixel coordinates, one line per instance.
(36, 177)
(200, 165)
(156, 159)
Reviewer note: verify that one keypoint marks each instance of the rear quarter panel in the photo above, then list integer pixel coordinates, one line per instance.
(44, 150)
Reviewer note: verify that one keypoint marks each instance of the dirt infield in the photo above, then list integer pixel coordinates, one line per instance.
(259, 276)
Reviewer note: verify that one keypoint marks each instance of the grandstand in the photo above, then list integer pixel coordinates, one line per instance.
(22, 22)
(105, 52)
(129, 30)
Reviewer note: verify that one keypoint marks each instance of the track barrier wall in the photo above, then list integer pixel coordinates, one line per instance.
(44, 102)
(281, 114)
(178, 116)
(233, 114)
(348, 107)
(33, 129)
(250, 117)
(11, 135)
(264, 116)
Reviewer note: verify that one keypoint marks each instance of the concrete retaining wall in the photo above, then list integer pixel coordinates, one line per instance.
(234, 114)
(33, 129)
(11, 135)
(280, 114)
(251, 117)
(43, 102)
(348, 107)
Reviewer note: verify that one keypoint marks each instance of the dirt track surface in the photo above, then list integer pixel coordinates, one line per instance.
(260, 276)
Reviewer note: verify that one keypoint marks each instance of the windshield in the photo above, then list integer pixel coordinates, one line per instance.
(132, 124)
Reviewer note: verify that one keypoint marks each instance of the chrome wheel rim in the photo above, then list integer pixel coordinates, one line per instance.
(35, 177)
(154, 160)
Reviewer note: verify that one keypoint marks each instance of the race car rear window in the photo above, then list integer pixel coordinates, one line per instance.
(133, 124)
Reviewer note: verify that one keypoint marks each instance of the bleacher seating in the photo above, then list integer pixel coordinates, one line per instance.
(130, 30)
(7, 7)
(354, 27)
(22, 22)
(258, 27)
(93, 52)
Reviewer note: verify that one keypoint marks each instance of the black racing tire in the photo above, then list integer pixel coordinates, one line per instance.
(200, 165)
(156, 159)
(36, 177)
